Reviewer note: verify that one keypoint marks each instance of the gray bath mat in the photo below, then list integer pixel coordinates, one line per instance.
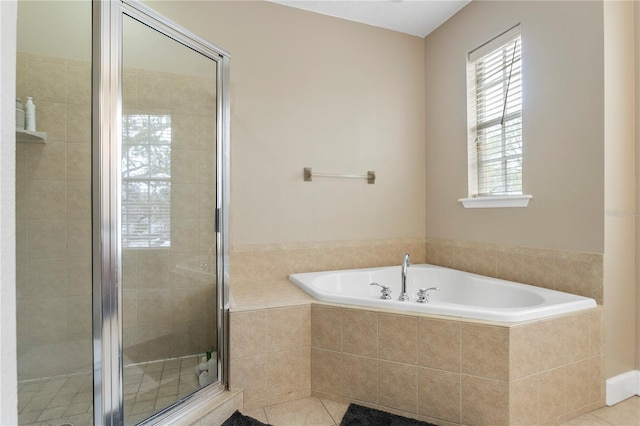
(358, 415)
(239, 419)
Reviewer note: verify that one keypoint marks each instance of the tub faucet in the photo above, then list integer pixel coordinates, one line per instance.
(406, 262)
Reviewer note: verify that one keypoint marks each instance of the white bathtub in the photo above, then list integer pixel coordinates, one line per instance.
(461, 294)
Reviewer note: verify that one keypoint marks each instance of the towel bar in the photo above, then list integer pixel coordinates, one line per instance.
(308, 175)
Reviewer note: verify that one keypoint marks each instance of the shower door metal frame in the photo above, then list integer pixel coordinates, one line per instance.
(106, 195)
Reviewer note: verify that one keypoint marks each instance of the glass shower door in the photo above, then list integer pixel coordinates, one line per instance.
(167, 217)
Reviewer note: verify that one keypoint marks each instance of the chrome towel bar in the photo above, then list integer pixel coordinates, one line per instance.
(308, 175)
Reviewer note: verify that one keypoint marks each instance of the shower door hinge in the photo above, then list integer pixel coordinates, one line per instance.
(216, 220)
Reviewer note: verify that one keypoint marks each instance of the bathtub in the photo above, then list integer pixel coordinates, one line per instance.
(460, 294)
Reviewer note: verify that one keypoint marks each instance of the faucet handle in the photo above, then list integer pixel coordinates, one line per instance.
(386, 291)
(423, 296)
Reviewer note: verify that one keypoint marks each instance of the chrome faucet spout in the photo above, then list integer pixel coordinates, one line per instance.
(406, 262)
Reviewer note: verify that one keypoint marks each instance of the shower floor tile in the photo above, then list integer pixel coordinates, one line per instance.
(148, 388)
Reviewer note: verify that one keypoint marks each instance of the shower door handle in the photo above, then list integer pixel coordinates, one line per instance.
(216, 220)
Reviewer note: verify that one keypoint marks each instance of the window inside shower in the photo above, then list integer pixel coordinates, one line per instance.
(146, 180)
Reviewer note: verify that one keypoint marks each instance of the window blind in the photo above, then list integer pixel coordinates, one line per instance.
(495, 166)
(146, 180)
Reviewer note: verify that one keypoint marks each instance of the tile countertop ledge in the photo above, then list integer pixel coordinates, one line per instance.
(256, 294)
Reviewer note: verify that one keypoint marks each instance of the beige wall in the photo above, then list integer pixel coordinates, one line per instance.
(309, 90)
(562, 131)
(620, 189)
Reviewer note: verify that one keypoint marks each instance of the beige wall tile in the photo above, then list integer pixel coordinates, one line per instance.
(184, 235)
(51, 117)
(551, 347)
(539, 267)
(249, 374)
(193, 304)
(47, 80)
(577, 330)
(596, 341)
(360, 332)
(184, 166)
(564, 270)
(510, 264)
(326, 371)
(47, 239)
(439, 394)
(439, 344)
(248, 333)
(485, 351)
(551, 394)
(154, 308)
(78, 199)
(48, 320)
(288, 372)
(78, 237)
(326, 327)
(79, 161)
(79, 317)
(577, 382)
(184, 201)
(78, 84)
(360, 378)
(523, 352)
(398, 338)
(153, 269)
(47, 199)
(523, 401)
(478, 259)
(47, 278)
(400, 386)
(285, 328)
(484, 401)
(597, 386)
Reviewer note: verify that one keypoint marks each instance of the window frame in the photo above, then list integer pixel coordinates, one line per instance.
(475, 166)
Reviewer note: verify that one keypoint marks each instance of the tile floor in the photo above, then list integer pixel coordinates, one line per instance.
(148, 388)
(321, 412)
(151, 386)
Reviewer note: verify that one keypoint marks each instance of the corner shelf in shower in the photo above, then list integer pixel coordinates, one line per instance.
(28, 136)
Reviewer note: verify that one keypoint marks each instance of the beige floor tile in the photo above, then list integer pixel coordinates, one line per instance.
(257, 414)
(301, 412)
(625, 413)
(586, 420)
(335, 409)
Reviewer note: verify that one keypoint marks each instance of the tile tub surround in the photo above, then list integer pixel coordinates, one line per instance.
(531, 372)
(268, 262)
(420, 366)
(270, 354)
(450, 371)
(564, 270)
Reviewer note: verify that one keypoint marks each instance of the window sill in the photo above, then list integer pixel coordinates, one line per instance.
(493, 202)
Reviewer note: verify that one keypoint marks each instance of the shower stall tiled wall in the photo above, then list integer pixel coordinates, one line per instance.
(53, 215)
(169, 292)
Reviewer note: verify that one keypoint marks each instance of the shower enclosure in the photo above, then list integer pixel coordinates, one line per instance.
(122, 215)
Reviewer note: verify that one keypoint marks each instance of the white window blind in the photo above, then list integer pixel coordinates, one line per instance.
(495, 116)
(146, 180)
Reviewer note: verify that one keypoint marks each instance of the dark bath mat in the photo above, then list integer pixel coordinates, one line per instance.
(239, 419)
(358, 415)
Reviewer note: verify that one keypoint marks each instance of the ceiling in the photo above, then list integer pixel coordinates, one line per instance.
(415, 17)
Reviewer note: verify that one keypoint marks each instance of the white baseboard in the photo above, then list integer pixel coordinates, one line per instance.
(623, 386)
